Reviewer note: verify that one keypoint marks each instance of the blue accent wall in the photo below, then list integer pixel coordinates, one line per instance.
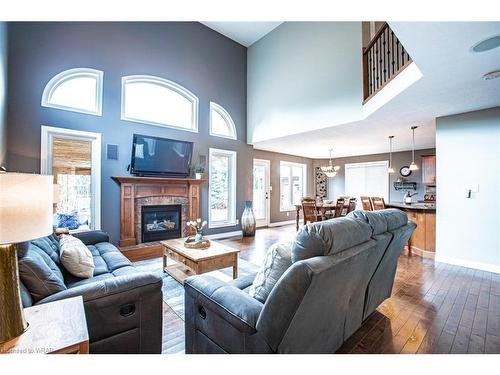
(210, 65)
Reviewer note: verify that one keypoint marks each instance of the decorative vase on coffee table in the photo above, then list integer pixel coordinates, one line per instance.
(248, 220)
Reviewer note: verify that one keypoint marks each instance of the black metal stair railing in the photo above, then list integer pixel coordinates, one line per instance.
(383, 59)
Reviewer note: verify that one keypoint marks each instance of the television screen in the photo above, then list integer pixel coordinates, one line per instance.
(160, 156)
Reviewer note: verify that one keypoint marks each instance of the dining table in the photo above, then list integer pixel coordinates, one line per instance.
(322, 207)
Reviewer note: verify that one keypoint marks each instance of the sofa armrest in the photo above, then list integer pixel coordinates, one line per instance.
(230, 303)
(92, 237)
(107, 287)
(243, 282)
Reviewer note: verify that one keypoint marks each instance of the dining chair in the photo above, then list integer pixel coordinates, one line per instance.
(378, 203)
(352, 205)
(367, 203)
(339, 207)
(310, 211)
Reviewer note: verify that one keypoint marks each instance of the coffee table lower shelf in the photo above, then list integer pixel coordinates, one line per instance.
(179, 272)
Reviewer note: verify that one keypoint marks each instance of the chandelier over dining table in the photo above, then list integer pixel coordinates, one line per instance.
(330, 170)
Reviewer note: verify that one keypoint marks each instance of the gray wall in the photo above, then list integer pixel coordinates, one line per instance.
(210, 65)
(304, 75)
(3, 93)
(336, 185)
(275, 158)
(468, 153)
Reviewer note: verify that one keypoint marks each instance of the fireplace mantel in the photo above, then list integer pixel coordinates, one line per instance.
(132, 188)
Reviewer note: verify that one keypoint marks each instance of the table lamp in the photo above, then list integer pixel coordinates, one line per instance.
(25, 214)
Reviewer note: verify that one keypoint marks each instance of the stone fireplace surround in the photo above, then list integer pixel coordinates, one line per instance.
(138, 191)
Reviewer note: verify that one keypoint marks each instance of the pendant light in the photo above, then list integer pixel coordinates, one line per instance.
(413, 166)
(390, 169)
(330, 170)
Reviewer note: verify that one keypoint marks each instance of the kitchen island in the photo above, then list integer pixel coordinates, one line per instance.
(423, 239)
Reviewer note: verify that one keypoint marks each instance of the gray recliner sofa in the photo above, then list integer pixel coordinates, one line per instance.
(123, 306)
(316, 305)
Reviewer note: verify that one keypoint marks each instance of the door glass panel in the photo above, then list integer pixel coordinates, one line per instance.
(72, 168)
(259, 191)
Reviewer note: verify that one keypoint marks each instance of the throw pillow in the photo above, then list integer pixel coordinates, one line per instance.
(76, 257)
(278, 259)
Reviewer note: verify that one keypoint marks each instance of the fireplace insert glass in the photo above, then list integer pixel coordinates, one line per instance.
(160, 222)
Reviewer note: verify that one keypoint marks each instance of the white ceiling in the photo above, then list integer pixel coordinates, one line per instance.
(245, 33)
(451, 83)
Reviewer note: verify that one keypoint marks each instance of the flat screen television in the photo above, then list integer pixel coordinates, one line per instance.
(154, 156)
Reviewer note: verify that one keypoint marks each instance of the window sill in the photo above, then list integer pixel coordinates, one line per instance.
(222, 225)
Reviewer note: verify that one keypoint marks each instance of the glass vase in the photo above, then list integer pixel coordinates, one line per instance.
(248, 220)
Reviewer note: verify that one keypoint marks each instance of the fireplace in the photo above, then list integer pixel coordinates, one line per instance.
(160, 222)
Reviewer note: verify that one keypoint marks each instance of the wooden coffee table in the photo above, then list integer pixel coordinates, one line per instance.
(191, 262)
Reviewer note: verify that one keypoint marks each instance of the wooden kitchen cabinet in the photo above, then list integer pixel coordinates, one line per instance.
(429, 169)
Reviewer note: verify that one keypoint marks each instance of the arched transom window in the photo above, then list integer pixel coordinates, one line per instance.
(158, 101)
(221, 123)
(77, 90)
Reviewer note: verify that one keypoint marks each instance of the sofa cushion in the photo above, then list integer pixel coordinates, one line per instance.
(50, 245)
(38, 272)
(382, 220)
(278, 259)
(329, 237)
(76, 257)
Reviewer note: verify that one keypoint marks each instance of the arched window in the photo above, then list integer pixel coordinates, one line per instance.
(78, 90)
(221, 123)
(158, 101)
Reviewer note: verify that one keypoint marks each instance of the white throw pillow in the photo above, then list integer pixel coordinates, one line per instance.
(76, 257)
(278, 260)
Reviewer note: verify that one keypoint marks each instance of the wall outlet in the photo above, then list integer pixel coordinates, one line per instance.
(287, 213)
(237, 221)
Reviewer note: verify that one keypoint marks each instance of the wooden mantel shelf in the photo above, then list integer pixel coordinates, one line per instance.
(133, 188)
(154, 180)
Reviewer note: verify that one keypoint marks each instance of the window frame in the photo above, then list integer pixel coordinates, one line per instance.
(171, 85)
(227, 118)
(304, 182)
(63, 76)
(232, 189)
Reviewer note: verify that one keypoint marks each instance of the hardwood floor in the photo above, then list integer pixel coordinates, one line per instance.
(434, 308)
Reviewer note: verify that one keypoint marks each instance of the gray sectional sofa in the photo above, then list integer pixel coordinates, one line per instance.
(317, 304)
(123, 306)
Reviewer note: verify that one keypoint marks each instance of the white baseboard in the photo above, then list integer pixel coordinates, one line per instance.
(281, 223)
(468, 263)
(219, 236)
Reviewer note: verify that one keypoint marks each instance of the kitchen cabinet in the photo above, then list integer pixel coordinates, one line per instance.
(429, 169)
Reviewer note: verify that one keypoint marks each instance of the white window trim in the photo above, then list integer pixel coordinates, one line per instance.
(232, 197)
(227, 117)
(381, 163)
(170, 85)
(304, 181)
(62, 77)
(48, 133)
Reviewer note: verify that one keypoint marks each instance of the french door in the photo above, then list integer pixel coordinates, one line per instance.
(261, 190)
(73, 157)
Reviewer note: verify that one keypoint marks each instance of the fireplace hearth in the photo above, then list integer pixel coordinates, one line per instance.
(160, 222)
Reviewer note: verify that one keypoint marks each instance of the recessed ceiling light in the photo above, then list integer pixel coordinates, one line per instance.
(487, 44)
(492, 75)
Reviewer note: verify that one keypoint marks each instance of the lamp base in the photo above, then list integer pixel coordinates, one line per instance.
(12, 322)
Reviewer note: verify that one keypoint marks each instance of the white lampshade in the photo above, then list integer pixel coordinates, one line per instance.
(25, 207)
(413, 166)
